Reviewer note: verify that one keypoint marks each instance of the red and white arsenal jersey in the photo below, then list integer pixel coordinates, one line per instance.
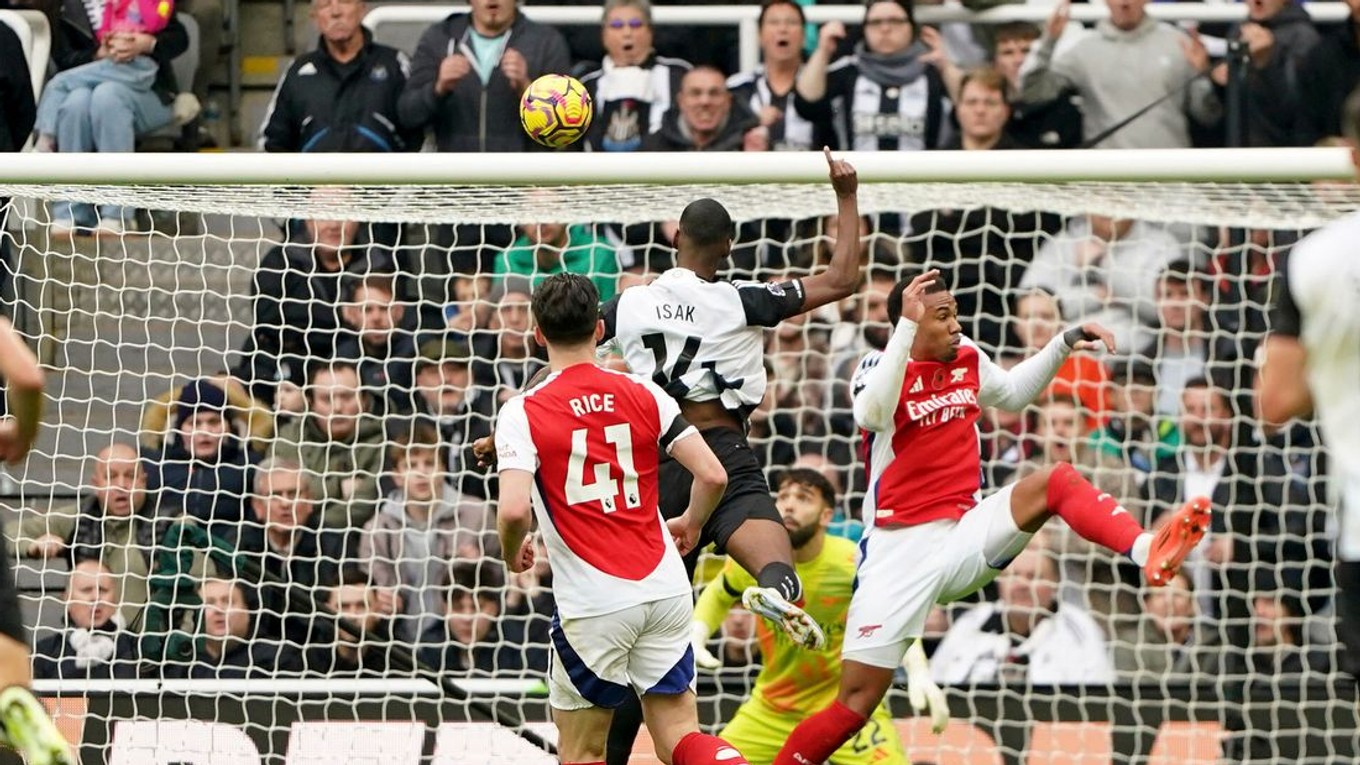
(929, 466)
(590, 437)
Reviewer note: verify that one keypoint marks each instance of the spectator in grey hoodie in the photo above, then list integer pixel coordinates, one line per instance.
(1129, 62)
(469, 71)
(420, 529)
(1106, 271)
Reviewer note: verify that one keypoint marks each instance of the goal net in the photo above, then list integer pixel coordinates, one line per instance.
(261, 400)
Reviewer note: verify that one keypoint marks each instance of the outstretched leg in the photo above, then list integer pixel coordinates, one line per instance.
(1098, 517)
(761, 546)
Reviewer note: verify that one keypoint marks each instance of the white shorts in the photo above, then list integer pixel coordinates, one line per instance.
(598, 661)
(904, 571)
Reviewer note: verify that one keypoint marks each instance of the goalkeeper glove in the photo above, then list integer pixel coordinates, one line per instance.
(922, 692)
(698, 637)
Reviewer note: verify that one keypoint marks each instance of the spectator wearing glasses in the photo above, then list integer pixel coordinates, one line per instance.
(893, 87)
(634, 88)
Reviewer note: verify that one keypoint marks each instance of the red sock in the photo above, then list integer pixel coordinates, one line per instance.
(1093, 514)
(702, 749)
(816, 738)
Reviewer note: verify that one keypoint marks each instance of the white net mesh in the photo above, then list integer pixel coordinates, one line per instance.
(1241, 667)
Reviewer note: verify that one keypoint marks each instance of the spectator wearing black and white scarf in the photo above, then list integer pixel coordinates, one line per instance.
(95, 644)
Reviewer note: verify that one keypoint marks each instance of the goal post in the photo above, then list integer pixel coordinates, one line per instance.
(1179, 248)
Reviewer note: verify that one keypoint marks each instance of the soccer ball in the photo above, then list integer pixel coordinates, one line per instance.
(555, 110)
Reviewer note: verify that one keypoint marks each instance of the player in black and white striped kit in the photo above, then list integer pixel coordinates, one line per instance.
(702, 340)
(1310, 362)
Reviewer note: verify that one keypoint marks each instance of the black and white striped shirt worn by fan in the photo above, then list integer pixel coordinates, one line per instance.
(872, 110)
(792, 132)
(700, 340)
(630, 101)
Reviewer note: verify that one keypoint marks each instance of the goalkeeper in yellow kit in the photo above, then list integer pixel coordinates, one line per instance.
(796, 682)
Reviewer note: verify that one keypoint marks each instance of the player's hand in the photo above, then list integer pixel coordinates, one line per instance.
(515, 69)
(843, 177)
(484, 449)
(12, 448)
(912, 307)
(524, 559)
(922, 691)
(698, 640)
(451, 70)
(47, 546)
(685, 532)
(1057, 21)
(1086, 337)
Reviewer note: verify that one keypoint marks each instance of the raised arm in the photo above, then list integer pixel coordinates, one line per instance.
(811, 84)
(877, 386)
(1013, 390)
(1046, 82)
(840, 279)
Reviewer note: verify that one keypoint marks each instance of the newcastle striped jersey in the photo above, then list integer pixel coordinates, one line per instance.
(868, 116)
(700, 340)
(792, 133)
(631, 100)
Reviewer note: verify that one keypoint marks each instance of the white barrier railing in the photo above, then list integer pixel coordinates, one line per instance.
(743, 17)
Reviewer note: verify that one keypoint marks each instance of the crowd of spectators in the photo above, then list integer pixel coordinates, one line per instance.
(332, 460)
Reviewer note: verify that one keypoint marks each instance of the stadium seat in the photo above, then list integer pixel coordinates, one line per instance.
(42, 585)
(35, 35)
(960, 744)
(1075, 743)
(1187, 743)
(186, 106)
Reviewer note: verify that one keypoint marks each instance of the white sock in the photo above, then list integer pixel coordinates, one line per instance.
(1141, 547)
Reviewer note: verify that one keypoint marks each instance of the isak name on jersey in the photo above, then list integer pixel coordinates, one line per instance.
(675, 311)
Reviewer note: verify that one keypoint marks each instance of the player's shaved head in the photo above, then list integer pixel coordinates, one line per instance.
(706, 227)
(566, 308)
(895, 297)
